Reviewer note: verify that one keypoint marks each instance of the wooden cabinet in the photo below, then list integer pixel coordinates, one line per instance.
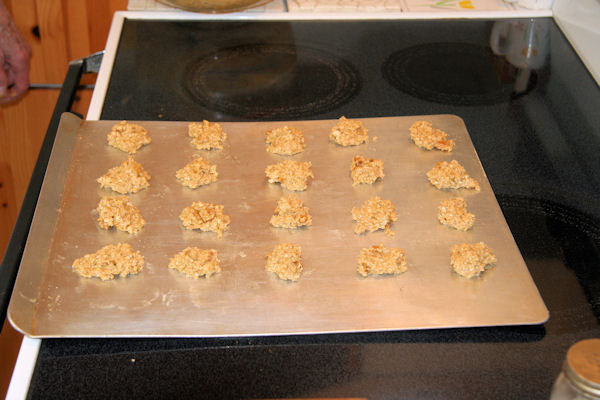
(58, 31)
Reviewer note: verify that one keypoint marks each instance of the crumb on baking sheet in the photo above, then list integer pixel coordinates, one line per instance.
(292, 175)
(128, 137)
(195, 262)
(285, 261)
(366, 170)
(112, 260)
(426, 136)
(471, 259)
(379, 260)
(453, 213)
(119, 212)
(129, 177)
(349, 132)
(451, 175)
(285, 141)
(207, 135)
(197, 173)
(291, 212)
(206, 217)
(373, 215)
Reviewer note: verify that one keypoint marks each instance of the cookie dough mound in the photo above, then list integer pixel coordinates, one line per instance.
(348, 132)
(285, 261)
(290, 213)
(128, 137)
(366, 170)
(285, 141)
(426, 136)
(378, 260)
(207, 135)
(195, 262)
(451, 175)
(197, 173)
(292, 175)
(119, 212)
(374, 214)
(110, 261)
(471, 259)
(206, 217)
(129, 177)
(453, 213)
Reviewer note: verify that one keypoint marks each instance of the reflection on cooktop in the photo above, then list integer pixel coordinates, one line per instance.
(271, 81)
(450, 73)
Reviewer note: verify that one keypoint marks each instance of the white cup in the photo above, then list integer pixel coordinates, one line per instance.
(524, 42)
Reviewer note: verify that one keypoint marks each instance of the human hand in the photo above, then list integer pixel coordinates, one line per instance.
(14, 59)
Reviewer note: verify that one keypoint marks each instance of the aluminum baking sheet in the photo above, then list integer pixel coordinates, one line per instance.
(50, 300)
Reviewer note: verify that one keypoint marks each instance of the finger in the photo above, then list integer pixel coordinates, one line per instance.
(3, 78)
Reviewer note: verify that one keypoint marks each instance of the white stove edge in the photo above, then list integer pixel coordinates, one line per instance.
(574, 17)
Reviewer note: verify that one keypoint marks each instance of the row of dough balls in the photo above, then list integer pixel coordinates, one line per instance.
(284, 260)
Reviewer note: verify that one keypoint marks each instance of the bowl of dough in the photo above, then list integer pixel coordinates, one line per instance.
(214, 6)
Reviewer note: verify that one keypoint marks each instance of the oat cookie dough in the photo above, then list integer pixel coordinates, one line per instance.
(453, 213)
(129, 177)
(374, 214)
(379, 260)
(285, 261)
(471, 259)
(119, 212)
(128, 137)
(197, 173)
(292, 175)
(195, 262)
(349, 132)
(451, 175)
(206, 217)
(291, 212)
(366, 170)
(285, 141)
(426, 136)
(207, 135)
(112, 260)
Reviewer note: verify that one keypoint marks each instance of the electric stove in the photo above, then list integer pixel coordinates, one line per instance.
(535, 129)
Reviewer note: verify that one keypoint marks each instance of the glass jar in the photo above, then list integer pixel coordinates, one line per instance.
(580, 375)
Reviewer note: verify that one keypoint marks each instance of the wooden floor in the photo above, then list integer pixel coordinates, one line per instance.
(58, 31)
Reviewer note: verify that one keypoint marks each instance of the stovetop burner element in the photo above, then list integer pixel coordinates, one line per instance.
(271, 81)
(449, 73)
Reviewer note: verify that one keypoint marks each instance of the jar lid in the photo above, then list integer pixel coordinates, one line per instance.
(582, 366)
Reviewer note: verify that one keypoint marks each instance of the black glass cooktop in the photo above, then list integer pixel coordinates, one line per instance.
(536, 130)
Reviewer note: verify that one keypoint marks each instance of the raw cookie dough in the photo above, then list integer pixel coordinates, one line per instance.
(285, 141)
(197, 173)
(285, 261)
(119, 212)
(374, 214)
(290, 213)
(378, 260)
(206, 135)
(206, 217)
(349, 132)
(453, 213)
(128, 137)
(426, 136)
(451, 175)
(129, 177)
(110, 261)
(195, 262)
(366, 170)
(292, 175)
(471, 259)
